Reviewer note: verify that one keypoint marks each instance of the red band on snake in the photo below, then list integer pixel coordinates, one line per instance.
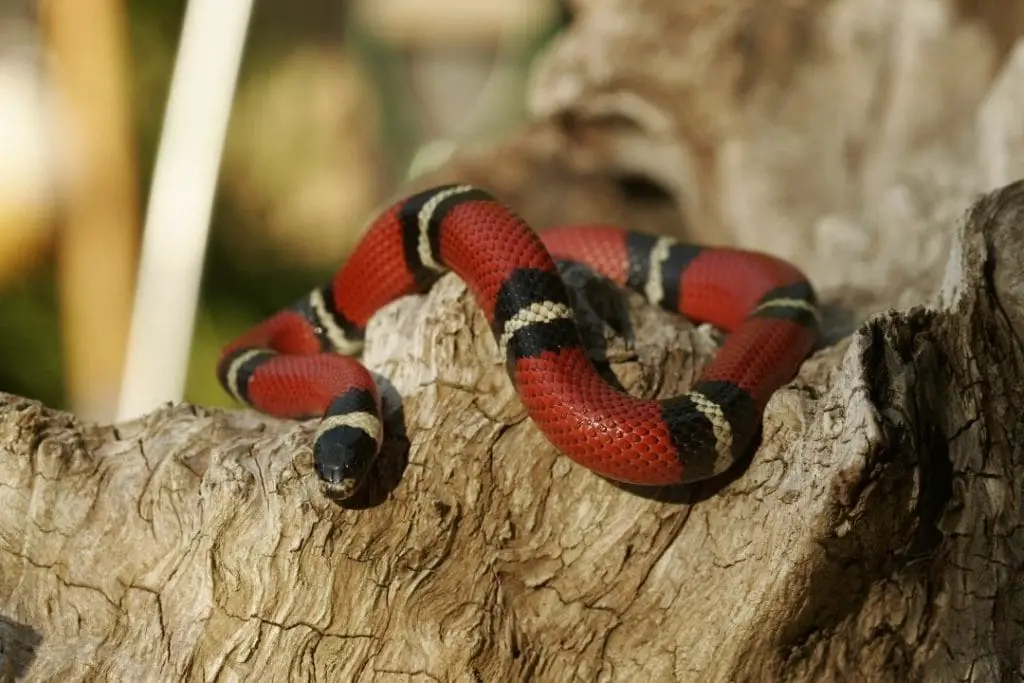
(298, 363)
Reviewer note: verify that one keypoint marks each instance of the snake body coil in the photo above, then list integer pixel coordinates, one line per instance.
(296, 364)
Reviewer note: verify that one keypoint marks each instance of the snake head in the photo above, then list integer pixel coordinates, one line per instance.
(342, 455)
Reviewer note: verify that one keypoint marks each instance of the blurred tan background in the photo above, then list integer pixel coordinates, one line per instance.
(337, 105)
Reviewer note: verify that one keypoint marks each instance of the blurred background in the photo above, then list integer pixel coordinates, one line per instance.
(328, 108)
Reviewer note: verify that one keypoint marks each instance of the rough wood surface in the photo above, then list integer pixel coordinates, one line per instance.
(874, 536)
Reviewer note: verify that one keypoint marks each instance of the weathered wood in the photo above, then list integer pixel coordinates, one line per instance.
(874, 535)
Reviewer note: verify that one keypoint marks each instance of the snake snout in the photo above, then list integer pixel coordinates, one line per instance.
(342, 457)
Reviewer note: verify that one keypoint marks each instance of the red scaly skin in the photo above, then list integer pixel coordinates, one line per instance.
(721, 286)
(301, 381)
(618, 436)
(374, 275)
(615, 435)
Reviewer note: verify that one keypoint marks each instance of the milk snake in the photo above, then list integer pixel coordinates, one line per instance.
(297, 363)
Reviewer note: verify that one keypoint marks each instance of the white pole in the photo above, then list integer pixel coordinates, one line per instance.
(181, 197)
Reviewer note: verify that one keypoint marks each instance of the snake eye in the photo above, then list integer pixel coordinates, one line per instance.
(342, 457)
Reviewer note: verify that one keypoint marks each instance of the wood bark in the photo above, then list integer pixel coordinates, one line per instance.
(874, 535)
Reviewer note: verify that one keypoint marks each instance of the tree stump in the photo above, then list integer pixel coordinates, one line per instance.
(872, 536)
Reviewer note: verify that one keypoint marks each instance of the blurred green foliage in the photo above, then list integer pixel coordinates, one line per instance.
(30, 353)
